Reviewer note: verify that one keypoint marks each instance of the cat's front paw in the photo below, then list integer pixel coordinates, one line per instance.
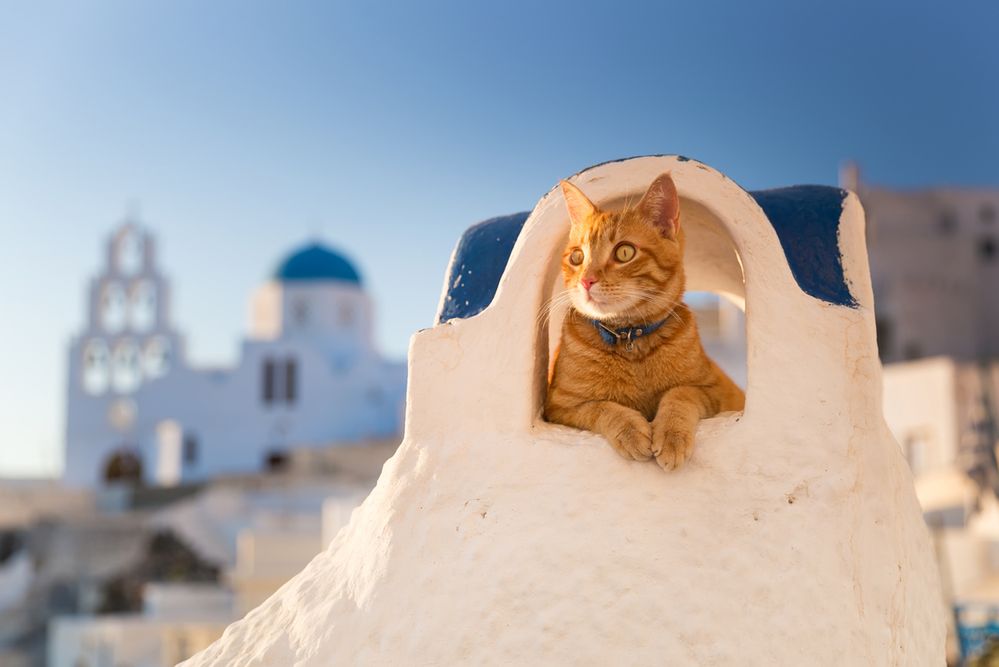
(672, 448)
(631, 437)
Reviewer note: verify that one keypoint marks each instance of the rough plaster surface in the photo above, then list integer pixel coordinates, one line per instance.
(793, 537)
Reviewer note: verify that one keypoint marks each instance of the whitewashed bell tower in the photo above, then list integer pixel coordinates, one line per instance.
(127, 341)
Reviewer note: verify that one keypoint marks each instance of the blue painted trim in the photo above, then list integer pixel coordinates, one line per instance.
(477, 265)
(806, 219)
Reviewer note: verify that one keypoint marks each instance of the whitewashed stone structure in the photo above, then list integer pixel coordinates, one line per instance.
(793, 536)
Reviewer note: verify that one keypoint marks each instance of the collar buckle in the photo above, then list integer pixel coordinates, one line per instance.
(627, 334)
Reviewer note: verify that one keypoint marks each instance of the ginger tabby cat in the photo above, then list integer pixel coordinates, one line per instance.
(630, 365)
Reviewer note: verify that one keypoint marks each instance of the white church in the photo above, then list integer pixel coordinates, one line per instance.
(308, 374)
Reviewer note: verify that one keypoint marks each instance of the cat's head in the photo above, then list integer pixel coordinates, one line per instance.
(625, 266)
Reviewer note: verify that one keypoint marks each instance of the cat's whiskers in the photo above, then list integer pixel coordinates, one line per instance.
(556, 301)
(634, 294)
(630, 303)
(639, 297)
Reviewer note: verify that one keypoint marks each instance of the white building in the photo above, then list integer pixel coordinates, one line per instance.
(177, 620)
(935, 268)
(308, 373)
(261, 533)
(943, 415)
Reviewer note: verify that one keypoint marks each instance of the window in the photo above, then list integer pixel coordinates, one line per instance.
(290, 380)
(190, 449)
(112, 308)
(95, 367)
(125, 372)
(142, 306)
(269, 381)
(280, 381)
(156, 357)
(987, 249)
(128, 252)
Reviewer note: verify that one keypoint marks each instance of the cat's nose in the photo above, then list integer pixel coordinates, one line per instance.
(587, 283)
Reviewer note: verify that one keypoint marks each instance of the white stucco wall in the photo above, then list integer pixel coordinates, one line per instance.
(793, 537)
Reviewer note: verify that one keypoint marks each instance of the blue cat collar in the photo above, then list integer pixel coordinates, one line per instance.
(626, 334)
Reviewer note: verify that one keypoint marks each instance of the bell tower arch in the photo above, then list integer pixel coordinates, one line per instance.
(127, 341)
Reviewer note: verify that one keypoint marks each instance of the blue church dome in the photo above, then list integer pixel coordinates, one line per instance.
(316, 262)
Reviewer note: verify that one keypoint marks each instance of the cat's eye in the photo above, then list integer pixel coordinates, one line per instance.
(624, 252)
(576, 257)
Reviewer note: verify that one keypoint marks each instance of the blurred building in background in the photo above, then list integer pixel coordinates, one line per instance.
(131, 575)
(935, 269)
(191, 495)
(308, 373)
(934, 256)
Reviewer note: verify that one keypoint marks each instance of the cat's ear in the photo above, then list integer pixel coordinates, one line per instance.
(660, 206)
(580, 208)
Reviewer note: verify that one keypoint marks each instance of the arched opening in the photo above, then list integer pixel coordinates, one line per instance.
(96, 367)
(276, 461)
(126, 373)
(142, 306)
(129, 251)
(113, 308)
(156, 357)
(123, 466)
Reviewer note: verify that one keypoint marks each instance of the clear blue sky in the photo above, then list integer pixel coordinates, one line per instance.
(244, 128)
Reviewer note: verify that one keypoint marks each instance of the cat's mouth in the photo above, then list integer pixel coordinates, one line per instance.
(596, 304)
